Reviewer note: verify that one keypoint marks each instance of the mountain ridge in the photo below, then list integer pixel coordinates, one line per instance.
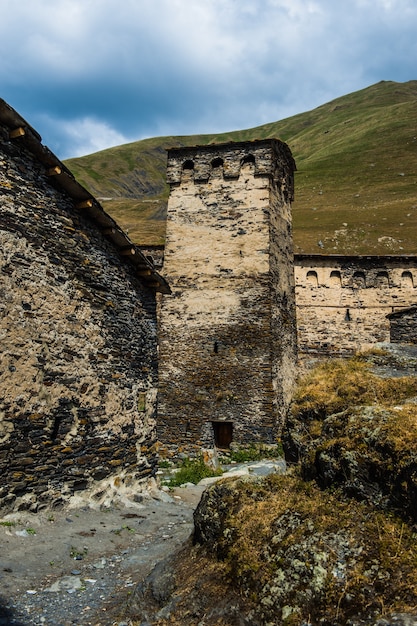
(356, 179)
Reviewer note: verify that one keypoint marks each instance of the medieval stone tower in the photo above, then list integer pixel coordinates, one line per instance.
(227, 332)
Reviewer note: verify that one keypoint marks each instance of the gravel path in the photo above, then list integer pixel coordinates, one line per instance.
(79, 566)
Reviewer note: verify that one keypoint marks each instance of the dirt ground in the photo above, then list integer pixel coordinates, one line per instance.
(80, 565)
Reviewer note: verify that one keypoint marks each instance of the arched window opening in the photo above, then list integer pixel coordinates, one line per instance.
(335, 278)
(359, 280)
(407, 279)
(312, 278)
(348, 317)
(188, 165)
(216, 347)
(382, 279)
(249, 158)
(218, 162)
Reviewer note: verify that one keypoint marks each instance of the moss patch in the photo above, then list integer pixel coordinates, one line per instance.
(302, 555)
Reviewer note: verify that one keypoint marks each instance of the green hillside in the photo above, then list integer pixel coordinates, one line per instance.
(355, 188)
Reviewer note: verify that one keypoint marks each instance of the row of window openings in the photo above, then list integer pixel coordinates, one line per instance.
(218, 162)
(359, 278)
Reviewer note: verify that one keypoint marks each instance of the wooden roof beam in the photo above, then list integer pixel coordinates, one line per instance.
(84, 204)
(127, 251)
(108, 231)
(54, 171)
(17, 132)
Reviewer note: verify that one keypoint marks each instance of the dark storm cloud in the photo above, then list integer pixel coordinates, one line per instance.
(93, 73)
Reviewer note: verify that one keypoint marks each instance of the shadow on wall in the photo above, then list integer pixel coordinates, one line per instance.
(6, 615)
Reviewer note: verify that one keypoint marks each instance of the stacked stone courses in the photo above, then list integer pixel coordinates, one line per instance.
(344, 303)
(403, 326)
(227, 332)
(78, 364)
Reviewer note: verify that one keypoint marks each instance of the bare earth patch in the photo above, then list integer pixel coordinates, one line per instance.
(79, 566)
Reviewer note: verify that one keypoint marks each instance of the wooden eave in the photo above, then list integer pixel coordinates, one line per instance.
(20, 131)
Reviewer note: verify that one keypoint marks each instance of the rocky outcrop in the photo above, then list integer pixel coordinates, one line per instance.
(303, 556)
(357, 452)
(360, 436)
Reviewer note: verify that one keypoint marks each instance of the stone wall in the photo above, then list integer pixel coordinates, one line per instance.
(78, 361)
(403, 326)
(343, 302)
(227, 332)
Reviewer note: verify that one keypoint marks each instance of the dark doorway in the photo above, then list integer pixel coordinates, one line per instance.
(223, 434)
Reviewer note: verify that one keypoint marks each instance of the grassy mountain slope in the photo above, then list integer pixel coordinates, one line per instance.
(356, 184)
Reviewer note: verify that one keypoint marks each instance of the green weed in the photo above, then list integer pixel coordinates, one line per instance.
(255, 452)
(192, 471)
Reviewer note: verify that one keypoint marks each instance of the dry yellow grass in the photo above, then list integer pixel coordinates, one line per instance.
(335, 386)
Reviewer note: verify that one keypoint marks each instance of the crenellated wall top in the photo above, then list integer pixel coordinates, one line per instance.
(270, 157)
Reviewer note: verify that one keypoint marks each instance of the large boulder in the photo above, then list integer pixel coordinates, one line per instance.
(303, 556)
(353, 430)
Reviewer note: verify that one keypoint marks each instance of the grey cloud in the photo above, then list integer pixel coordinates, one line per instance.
(138, 69)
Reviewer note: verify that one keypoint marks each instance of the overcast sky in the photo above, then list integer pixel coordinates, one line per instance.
(89, 74)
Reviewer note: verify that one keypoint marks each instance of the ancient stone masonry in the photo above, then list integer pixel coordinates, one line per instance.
(343, 301)
(227, 332)
(403, 325)
(78, 362)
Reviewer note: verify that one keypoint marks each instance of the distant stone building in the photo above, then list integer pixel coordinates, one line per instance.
(78, 361)
(343, 301)
(227, 332)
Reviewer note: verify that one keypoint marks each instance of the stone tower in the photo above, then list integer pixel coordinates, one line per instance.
(227, 332)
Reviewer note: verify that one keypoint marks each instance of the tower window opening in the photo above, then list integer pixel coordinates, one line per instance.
(216, 347)
(359, 280)
(348, 317)
(249, 158)
(407, 279)
(335, 278)
(312, 277)
(382, 279)
(55, 428)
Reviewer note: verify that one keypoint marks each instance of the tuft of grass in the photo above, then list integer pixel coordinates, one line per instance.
(118, 531)
(76, 554)
(192, 471)
(7, 523)
(335, 386)
(256, 452)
